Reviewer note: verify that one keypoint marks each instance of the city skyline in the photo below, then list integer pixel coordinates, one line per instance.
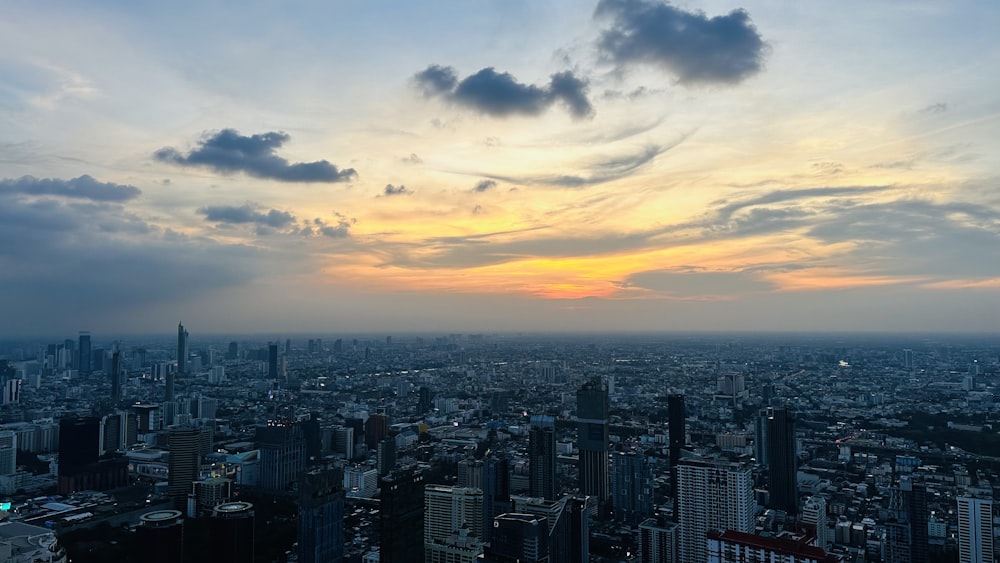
(611, 166)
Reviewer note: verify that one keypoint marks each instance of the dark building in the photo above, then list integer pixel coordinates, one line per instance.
(321, 516)
(781, 459)
(631, 487)
(184, 464)
(518, 538)
(425, 402)
(677, 438)
(386, 456)
(313, 435)
(233, 352)
(272, 360)
(183, 352)
(376, 429)
(282, 448)
(906, 529)
(79, 444)
(592, 407)
(401, 517)
(84, 351)
(159, 537)
(542, 457)
(496, 491)
(116, 377)
(231, 530)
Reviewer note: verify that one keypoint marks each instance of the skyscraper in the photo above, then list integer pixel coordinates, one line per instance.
(714, 495)
(182, 349)
(975, 529)
(906, 527)
(116, 376)
(631, 487)
(272, 360)
(231, 530)
(519, 538)
(814, 516)
(160, 537)
(84, 351)
(592, 408)
(401, 517)
(677, 438)
(184, 463)
(496, 490)
(781, 459)
(282, 448)
(321, 516)
(79, 447)
(542, 457)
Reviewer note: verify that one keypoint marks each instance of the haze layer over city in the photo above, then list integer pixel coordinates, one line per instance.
(553, 281)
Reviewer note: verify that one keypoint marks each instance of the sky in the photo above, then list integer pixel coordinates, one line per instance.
(619, 165)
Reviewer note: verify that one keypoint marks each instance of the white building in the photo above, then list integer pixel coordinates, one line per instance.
(713, 495)
(450, 513)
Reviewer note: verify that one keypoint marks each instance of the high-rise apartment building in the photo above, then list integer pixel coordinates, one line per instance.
(813, 517)
(401, 517)
(592, 411)
(657, 541)
(631, 487)
(975, 529)
(542, 457)
(451, 516)
(116, 376)
(677, 438)
(714, 495)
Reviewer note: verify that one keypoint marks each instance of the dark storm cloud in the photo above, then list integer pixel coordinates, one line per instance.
(499, 94)
(82, 187)
(391, 190)
(248, 213)
(227, 152)
(484, 185)
(695, 48)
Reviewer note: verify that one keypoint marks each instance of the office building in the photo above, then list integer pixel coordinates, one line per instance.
(84, 353)
(272, 360)
(183, 352)
(376, 429)
(159, 537)
(568, 521)
(470, 473)
(184, 463)
(496, 490)
(906, 528)
(592, 408)
(386, 456)
(657, 541)
(631, 487)
(542, 457)
(79, 448)
(321, 516)
(401, 517)
(282, 448)
(116, 377)
(425, 400)
(231, 530)
(975, 529)
(780, 458)
(714, 495)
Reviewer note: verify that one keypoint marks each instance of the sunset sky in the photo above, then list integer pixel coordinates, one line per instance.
(621, 165)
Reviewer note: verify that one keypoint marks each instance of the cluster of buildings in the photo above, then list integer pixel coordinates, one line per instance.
(465, 448)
